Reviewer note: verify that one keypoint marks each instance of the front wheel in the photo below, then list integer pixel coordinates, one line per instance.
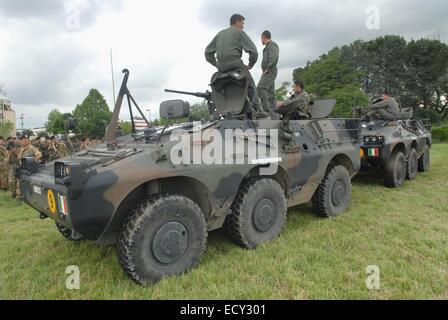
(333, 195)
(164, 236)
(395, 170)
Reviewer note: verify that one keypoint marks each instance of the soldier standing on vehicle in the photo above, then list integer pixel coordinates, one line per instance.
(387, 109)
(266, 85)
(3, 165)
(13, 161)
(28, 150)
(226, 50)
(298, 105)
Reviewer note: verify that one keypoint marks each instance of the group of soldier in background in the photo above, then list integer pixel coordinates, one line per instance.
(44, 150)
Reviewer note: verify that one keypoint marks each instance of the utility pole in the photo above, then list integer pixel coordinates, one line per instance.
(149, 113)
(22, 117)
(112, 71)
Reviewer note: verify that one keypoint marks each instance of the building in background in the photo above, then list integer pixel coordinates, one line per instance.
(7, 114)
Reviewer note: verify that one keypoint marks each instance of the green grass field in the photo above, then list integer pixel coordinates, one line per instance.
(404, 232)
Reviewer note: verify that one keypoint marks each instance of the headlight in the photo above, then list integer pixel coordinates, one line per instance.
(374, 139)
(367, 139)
(70, 174)
(61, 170)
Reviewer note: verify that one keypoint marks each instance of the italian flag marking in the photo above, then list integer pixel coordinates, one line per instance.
(63, 207)
(374, 152)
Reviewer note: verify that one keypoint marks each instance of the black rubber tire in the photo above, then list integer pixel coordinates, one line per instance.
(258, 213)
(424, 161)
(137, 250)
(412, 165)
(395, 174)
(333, 195)
(67, 233)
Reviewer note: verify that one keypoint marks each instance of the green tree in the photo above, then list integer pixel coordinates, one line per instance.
(6, 129)
(199, 111)
(92, 115)
(56, 122)
(330, 77)
(126, 127)
(280, 93)
(428, 69)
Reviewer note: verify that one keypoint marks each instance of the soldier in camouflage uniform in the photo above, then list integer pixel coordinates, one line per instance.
(226, 50)
(13, 162)
(266, 85)
(52, 149)
(28, 150)
(63, 150)
(297, 107)
(3, 165)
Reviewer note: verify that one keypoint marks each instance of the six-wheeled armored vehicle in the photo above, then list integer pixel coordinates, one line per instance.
(399, 147)
(157, 193)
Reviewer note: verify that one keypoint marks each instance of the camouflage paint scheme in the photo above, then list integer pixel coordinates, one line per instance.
(403, 135)
(115, 181)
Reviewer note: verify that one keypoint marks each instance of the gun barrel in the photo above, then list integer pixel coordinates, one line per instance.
(205, 95)
(180, 92)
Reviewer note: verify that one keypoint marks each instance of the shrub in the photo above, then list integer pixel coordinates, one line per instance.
(440, 134)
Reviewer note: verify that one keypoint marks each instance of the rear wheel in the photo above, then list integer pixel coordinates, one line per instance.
(424, 162)
(164, 236)
(68, 233)
(412, 165)
(258, 213)
(332, 197)
(395, 170)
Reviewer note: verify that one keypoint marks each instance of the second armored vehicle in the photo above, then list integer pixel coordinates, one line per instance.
(400, 148)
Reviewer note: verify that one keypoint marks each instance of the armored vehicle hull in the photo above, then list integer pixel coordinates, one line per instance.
(157, 194)
(399, 148)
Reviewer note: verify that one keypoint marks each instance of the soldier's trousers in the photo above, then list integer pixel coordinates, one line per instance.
(4, 178)
(384, 114)
(266, 91)
(14, 186)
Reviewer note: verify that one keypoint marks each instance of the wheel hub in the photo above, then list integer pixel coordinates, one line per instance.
(264, 215)
(338, 193)
(170, 242)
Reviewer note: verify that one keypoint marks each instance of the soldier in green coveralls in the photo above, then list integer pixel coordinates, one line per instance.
(226, 50)
(266, 86)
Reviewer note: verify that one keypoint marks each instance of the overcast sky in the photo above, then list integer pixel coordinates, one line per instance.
(52, 51)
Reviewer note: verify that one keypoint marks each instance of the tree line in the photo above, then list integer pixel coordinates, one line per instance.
(414, 72)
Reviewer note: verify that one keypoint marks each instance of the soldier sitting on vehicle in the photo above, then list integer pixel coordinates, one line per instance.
(387, 108)
(225, 52)
(297, 107)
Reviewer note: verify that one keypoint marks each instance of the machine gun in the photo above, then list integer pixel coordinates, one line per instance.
(207, 95)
